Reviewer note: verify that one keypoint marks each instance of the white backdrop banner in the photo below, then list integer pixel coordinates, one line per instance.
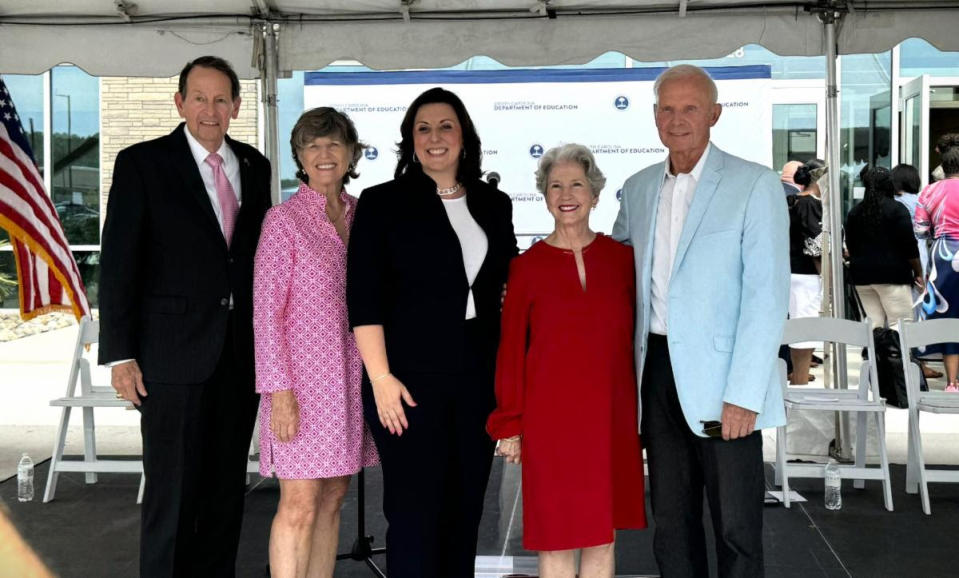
(521, 113)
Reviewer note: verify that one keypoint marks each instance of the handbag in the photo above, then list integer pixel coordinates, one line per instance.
(892, 380)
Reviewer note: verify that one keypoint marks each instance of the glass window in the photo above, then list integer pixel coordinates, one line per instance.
(75, 97)
(88, 262)
(918, 57)
(290, 99)
(794, 133)
(863, 77)
(27, 94)
(9, 294)
(782, 67)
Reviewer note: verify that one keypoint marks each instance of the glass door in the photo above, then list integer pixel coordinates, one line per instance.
(914, 125)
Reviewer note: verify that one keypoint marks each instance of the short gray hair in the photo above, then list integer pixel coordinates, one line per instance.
(570, 153)
(686, 71)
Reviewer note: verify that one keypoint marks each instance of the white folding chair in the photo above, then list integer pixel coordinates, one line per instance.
(89, 397)
(913, 335)
(863, 402)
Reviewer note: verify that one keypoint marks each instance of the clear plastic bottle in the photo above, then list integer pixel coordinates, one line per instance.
(833, 486)
(25, 479)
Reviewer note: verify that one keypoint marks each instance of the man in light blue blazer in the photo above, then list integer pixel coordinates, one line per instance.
(710, 238)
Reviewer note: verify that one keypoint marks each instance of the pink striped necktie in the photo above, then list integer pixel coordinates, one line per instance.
(229, 206)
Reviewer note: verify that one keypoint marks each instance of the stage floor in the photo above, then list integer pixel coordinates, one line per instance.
(92, 530)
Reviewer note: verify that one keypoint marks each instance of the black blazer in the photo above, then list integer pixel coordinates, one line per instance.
(166, 274)
(405, 272)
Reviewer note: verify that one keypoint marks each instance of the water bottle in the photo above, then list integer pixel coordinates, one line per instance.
(833, 486)
(25, 479)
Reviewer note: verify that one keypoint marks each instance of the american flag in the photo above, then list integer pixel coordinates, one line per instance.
(48, 274)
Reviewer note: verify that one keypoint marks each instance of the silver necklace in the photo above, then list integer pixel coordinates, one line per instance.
(450, 191)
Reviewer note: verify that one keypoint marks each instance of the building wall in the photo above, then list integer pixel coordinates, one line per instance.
(139, 109)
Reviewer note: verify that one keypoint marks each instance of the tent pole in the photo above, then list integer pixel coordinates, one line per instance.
(269, 65)
(830, 18)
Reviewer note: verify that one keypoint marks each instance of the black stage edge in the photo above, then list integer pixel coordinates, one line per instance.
(93, 530)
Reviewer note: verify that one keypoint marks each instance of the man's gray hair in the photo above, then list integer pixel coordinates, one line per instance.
(570, 153)
(686, 71)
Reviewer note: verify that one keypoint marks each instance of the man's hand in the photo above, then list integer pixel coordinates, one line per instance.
(284, 415)
(738, 422)
(128, 381)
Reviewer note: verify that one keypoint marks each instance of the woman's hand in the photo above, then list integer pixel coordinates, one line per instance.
(390, 393)
(284, 415)
(510, 449)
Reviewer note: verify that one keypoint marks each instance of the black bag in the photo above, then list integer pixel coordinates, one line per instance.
(892, 382)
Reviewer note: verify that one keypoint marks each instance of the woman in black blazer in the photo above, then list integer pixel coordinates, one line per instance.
(429, 253)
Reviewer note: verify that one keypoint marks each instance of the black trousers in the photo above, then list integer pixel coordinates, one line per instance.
(195, 443)
(681, 466)
(435, 474)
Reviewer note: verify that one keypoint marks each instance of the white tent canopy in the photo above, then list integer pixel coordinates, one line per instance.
(156, 37)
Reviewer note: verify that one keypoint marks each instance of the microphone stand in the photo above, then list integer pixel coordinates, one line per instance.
(363, 550)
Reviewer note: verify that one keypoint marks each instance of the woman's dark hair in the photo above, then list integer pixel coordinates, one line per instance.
(905, 179)
(804, 174)
(950, 161)
(879, 187)
(469, 168)
(947, 141)
(326, 121)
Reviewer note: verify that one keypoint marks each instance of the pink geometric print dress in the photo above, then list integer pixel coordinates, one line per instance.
(303, 342)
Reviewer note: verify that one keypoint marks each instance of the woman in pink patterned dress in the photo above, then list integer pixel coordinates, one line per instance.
(312, 433)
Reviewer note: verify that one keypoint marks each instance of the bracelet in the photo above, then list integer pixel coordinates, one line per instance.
(379, 377)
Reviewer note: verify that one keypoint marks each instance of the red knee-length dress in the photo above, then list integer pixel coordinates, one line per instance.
(565, 380)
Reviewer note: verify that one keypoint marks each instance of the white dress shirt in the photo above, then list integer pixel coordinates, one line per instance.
(473, 243)
(231, 167)
(674, 200)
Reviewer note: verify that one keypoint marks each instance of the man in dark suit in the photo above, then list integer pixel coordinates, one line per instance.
(176, 309)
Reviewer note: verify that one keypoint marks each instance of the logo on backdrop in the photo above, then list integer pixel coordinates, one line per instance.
(621, 103)
(371, 153)
(536, 151)
(619, 194)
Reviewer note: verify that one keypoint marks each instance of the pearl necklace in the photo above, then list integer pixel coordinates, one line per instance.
(450, 191)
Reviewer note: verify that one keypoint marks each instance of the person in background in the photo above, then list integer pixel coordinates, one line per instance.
(906, 183)
(787, 178)
(428, 256)
(883, 255)
(805, 255)
(937, 218)
(565, 381)
(308, 370)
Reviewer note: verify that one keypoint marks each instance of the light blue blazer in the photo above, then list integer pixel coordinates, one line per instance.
(729, 289)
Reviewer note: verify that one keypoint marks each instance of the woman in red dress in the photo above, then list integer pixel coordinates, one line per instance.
(565, 379)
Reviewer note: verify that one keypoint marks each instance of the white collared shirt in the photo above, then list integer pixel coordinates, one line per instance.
(231, 166)
(674, 201)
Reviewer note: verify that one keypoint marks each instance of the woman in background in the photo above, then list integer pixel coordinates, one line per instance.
(805, 252)
(937, 218)
(883, 255)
